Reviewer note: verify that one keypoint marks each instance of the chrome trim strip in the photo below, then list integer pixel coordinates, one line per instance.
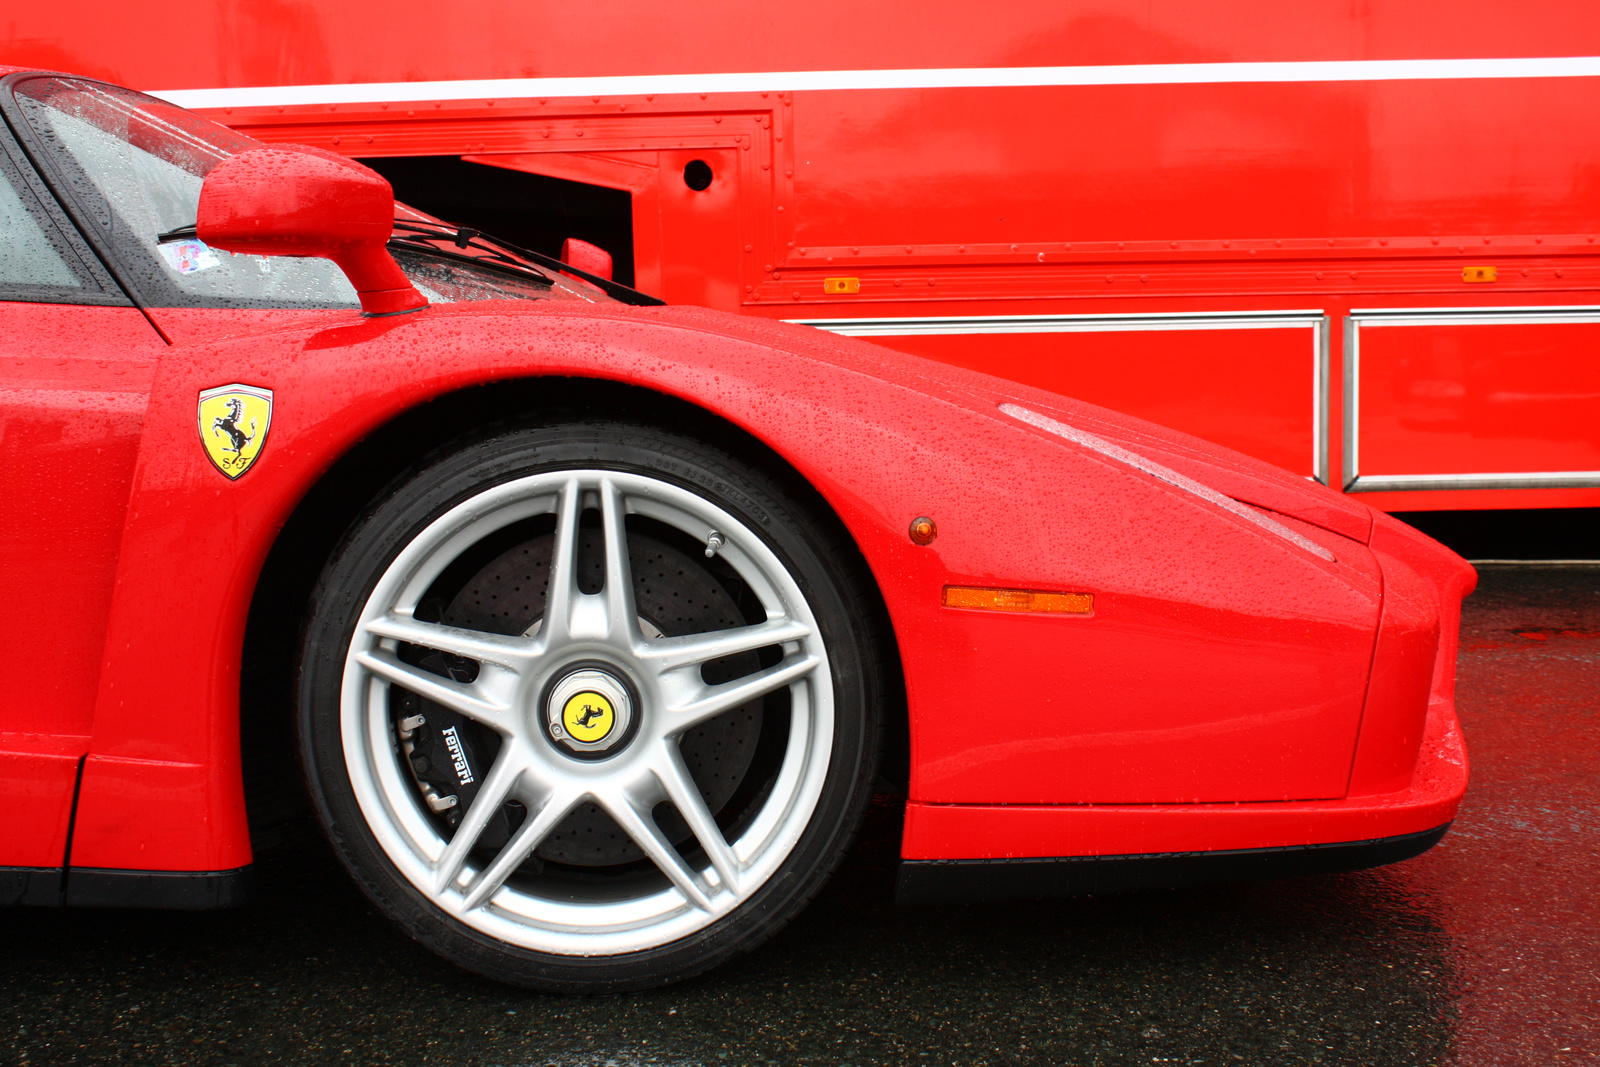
(1394, 483)
(1319, 401)
(1352, 401)
(1157, 471)
(1487, 319)
(959, 325)
(1475, 314)
(1336, 70)
(1355, 482)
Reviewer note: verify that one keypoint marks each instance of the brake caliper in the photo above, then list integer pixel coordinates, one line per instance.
(447, 758)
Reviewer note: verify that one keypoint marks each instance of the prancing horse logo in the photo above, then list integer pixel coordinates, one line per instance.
(233, 423)
(589, 717)
(229, 424)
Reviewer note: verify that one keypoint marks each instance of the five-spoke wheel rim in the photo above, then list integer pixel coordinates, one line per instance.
(659, 685)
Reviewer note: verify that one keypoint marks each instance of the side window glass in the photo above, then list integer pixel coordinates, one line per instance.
(28, 256)
(39, 262)
(134, 165)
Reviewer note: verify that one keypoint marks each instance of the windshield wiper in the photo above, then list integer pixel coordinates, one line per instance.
(465, 237)
(182, 233)
(497, 264)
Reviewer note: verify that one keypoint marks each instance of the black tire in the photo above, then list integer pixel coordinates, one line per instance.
(776, 509)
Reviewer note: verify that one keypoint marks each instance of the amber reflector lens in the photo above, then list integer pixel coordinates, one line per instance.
(1024, 600)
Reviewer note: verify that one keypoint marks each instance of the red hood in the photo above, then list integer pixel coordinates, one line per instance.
(1234, 474)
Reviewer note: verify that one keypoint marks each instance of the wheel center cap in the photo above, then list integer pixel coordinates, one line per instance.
(589, 712)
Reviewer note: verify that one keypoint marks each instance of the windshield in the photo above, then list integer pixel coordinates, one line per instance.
(135, 164)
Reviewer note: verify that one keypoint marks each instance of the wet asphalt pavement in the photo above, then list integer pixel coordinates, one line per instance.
(1484, 951)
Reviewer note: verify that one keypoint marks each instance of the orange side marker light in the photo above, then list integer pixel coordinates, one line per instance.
(1028, 601)
(1479, 274)
(841, 286)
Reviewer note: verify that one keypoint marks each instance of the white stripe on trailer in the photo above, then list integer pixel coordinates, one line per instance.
(1353, 70)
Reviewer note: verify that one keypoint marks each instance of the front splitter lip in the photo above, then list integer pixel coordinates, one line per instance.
(953, 881)
(936, 831)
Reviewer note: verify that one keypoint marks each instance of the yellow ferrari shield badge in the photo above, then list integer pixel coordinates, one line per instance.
(233, 425)
(588, 717)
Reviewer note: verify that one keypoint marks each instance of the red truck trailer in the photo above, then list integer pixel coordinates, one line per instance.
(1356, 240)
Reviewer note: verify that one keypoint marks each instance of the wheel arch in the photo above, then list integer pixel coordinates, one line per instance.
(274, 794)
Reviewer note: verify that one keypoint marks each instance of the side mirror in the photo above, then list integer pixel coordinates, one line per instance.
(292, 200)
(585, 256)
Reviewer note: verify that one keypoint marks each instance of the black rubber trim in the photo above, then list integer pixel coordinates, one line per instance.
(952, 881)
(72, 817)
(30, 886)
(98, 887)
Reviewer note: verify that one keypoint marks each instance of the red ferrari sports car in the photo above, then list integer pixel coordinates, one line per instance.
(591, 623)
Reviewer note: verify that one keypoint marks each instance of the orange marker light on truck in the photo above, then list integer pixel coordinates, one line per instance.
(1028, 601)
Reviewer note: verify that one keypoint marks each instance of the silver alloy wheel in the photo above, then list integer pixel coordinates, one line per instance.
(600, 635)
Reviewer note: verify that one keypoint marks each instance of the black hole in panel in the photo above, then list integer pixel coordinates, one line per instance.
(530, 210)
(697, 175)
(1513, 533)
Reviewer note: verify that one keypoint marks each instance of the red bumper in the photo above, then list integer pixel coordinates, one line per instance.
(947, 831)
